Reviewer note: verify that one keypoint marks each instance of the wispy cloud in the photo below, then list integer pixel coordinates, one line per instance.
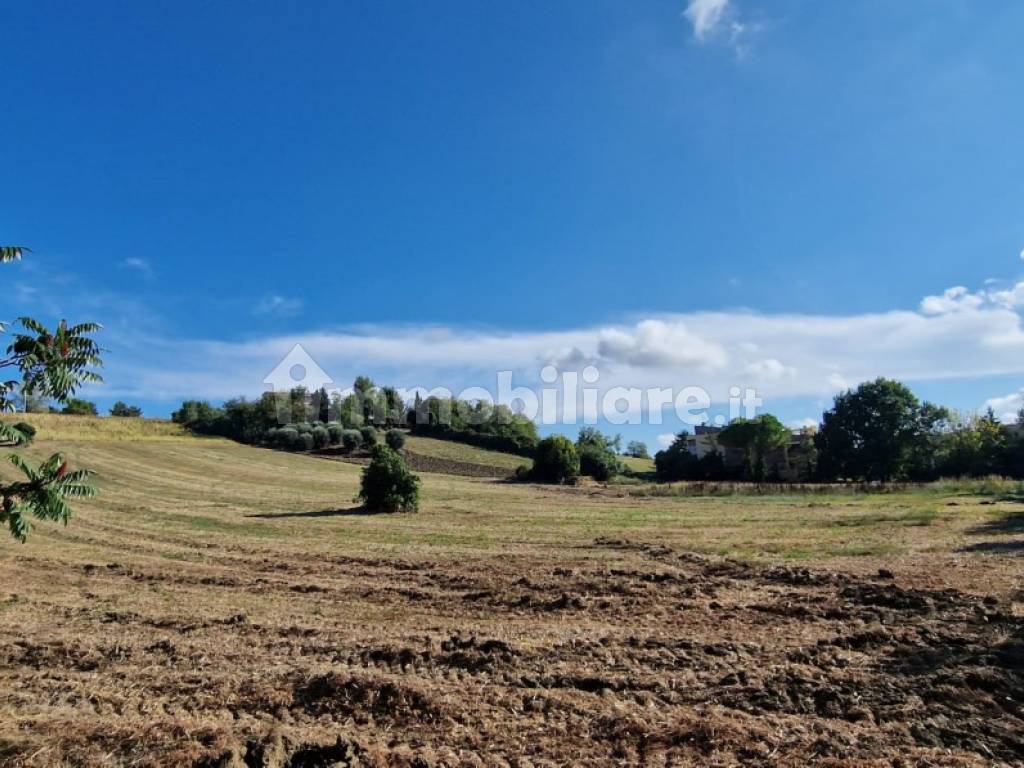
(278, 306)
(139, 265)
(705, 16)
(719, 20)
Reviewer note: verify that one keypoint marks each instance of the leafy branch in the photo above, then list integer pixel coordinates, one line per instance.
(51, 364)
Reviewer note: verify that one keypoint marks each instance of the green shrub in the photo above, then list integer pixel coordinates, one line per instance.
(303, 427)
(369, 435)
(598, 464)
(321, 437)
(395, 439)
(387, 484)
(556, 460)
(283, 437)
(335, 431)
(351, 439)
(303, 441)
(27, 430)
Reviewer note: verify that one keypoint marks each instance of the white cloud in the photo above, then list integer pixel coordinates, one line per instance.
(719, 20)
(1007, 407)
(666, 439)
(768, 369)
(803, 423)
(656, 343)
(705, 16)
(280, 306)
(953, 299)
(780, 355)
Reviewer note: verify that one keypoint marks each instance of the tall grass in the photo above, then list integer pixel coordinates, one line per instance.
(993, 485)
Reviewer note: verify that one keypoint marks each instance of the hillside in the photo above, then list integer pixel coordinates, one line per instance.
(257, 610)
(54, 426)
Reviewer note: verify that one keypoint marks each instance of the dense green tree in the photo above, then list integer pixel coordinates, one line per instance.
(121, 408)
(394, 407)
(387, 485)
(192, 412)
(875, 432)
(301, 405)
(976, 448)
(322, 405)
(637, 450)
(76, 406)
(556, 460)
(756, 437)
(677, 462)
(598, 454)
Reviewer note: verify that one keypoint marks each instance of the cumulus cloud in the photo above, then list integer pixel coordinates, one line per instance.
(279, 306)
(658, 343)
(953, 299)
(666, 439)
(780, 355)
(1006, 407)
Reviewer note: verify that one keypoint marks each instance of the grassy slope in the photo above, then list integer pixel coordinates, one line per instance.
(453, 451)
(638, 465)
(164, 496)
(214, 578)
(52, 426)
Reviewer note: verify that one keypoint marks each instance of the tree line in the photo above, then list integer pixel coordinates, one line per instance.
(877, 432)
(274, 417)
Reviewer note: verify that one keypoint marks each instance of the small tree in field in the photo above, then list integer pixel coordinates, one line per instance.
(637, 450)
(556, 460)
(121, 408)
(52, 364)
(388, 485)
(75, 406)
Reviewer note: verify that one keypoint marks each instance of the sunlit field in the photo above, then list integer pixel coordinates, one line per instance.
(220, 602)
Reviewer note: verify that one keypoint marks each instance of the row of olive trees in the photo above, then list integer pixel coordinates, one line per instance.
(366, 406)
(52, 365)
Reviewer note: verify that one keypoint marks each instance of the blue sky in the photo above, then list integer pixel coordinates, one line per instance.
(709, 192)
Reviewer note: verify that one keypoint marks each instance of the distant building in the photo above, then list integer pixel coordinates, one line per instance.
(791, 463)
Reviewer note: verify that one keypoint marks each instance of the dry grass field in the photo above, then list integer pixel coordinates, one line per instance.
(220, 605)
